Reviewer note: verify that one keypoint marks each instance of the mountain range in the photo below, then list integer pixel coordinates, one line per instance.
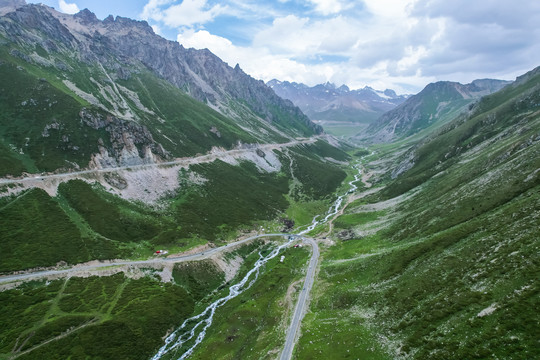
(171, 100)
(333, 106)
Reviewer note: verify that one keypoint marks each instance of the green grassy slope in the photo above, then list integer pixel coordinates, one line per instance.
(41, 128)
(85, 222)
(36, 232)
(39, 125)
(97, 317)
(450, 270)
(125, 318)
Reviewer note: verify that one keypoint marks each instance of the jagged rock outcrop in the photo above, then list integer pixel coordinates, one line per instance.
(130, 143)
(346, 235)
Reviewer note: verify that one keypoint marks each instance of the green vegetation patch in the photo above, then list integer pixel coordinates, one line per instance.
(233, 196)
(40, 127)
(362, 218)
(303, 211)
(199, 278)
(36, 232)
(318, 179)
(95, 317)
(323, 149)
(337, 335)
(108, 215)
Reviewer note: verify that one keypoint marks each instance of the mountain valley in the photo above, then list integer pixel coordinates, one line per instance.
(340, 111)
(157, 203)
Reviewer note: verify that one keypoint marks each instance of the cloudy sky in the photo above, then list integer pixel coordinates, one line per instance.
(397, 44)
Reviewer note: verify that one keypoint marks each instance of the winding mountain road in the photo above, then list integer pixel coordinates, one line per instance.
(210, 157)
(300, 309)
(82, 267)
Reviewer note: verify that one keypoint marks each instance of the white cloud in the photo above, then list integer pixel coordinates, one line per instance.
(152, 10)
(393, 9)
(202, 39)
(329, 7)
(156, 29)
(399, 44)
(480, 39)
(68, 8)
(305, 38)
(187, 13)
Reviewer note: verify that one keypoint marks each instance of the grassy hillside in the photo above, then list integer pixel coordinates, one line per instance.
(85, 222)
(42, 128)
(125, 318)
(448, 269)
(39, 125)
(98, 317)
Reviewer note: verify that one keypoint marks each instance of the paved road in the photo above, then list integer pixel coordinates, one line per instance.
(302, 300)
(196, 256)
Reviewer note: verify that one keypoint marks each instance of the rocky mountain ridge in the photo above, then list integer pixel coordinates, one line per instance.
(183, 101)
(331, 103)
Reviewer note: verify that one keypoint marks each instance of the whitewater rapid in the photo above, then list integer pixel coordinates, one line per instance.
(182, 335)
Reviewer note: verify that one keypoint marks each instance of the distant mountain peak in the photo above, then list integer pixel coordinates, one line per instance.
(87, 16)
(329, 85)
(327, 103)
(390, 92)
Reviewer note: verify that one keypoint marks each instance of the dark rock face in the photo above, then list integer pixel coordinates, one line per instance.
(126, 137)
(346, 235)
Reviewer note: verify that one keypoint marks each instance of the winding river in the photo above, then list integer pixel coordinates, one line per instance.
(189, 331)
